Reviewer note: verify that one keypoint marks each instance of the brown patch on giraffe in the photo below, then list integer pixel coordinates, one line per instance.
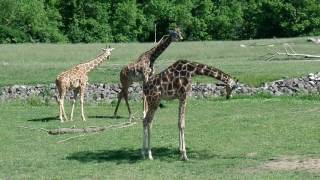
(178, 67)
(184, 81)
(190, 68)
(288, 163)
(183, 73)
(165, 78)
(176, 83)
(170, 86)
(176, 73)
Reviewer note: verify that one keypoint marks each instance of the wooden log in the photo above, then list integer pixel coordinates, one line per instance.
(75, 130)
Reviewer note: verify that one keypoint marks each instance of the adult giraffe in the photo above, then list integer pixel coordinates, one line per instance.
(143, 67)
(175, 83)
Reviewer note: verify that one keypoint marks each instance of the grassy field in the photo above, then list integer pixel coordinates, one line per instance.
(41, 63)
(243, 138)
(225, 140)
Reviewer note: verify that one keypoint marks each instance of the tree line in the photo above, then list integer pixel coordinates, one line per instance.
(133, 20)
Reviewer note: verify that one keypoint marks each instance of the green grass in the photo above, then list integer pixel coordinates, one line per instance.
(220, 135)
(41, 63)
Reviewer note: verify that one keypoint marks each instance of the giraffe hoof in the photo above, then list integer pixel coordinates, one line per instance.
(184, 158)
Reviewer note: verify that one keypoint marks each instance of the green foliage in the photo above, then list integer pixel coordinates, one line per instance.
(128, 21)
(133, 20)
(86, 20)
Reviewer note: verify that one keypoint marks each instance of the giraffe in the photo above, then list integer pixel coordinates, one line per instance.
(175, 83)
(76, 79)
(143, 67)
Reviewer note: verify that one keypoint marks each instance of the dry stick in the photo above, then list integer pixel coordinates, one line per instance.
(42, 129)
(81, 135)
(73, 137)
(74, 130)
(292, 52)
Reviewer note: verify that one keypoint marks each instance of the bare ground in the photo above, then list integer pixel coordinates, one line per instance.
(288, 163)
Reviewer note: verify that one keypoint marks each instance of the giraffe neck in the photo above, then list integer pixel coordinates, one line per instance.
(156, 51)
(195, 68)
(89, 66)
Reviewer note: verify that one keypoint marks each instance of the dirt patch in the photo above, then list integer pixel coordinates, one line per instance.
(289, 163)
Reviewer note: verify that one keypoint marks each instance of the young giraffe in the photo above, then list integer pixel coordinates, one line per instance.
(143, 67)
(76, 79)
(175, 83)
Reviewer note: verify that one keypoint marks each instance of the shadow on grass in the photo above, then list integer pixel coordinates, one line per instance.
(46, 119)
(134, 155)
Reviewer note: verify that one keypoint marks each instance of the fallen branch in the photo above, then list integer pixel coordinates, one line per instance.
(88, 129)
(314, 40)
(110, 127)
(73, 137)
(75, 130)
(289, 51)
(40, 129)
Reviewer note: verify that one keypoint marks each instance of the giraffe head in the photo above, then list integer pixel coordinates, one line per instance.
(231, 85)
(107, 50)
(176, 34)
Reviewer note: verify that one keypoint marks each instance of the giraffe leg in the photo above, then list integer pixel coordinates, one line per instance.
(144, 141)
(149, 141)
(147, 128)
(81, 102)
(145, 106)
(125, 95)
(62, 109)
(182, 143)
(75, 94)
(120, 95)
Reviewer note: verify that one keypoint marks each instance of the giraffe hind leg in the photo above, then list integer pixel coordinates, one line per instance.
(125, 95)
(118, 103)
(75, 94)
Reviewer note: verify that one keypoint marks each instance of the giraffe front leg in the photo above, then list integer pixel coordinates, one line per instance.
(145, 106)
(182, 143)
(144, 141)
(81, 102)
(63, 111)
(71, 114)
(149, 142)
(152, 107)
(60, 111)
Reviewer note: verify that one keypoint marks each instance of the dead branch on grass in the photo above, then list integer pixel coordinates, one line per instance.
(97, 132)
(40, 129)
(60, 131)
(289, 51)
(314, 40)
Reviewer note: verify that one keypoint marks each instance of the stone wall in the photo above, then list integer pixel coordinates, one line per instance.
(309, 84)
